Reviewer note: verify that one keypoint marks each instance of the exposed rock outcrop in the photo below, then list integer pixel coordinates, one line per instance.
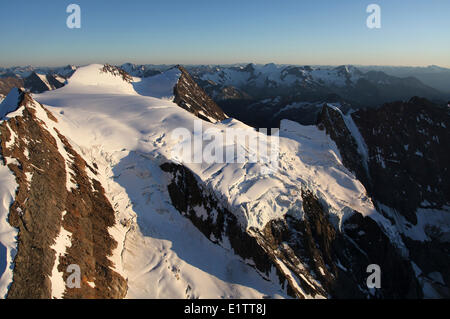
(38, 83)
(333, 122)
(57, 191)
(408, 154)
(116, 71)
(191, 97)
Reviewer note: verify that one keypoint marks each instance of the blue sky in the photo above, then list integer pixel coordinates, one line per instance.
(413, 32)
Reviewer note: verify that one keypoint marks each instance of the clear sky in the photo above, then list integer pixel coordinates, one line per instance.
(334, 32)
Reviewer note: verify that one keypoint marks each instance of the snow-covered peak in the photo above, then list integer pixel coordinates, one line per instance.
(93, 78)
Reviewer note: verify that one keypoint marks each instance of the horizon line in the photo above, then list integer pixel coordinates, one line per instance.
(229, 64)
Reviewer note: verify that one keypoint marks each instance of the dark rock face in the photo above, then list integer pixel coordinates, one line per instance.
(332, 121)
(37, 208)
(35, 84)
(8, 83)
(32, 83)
(335, 261)
(407, 169)
(319, 259)
(54, 82)
(432, 256)
(409, 160)
(268, 113)
(43, 205)
(398, 276)
(191, 97)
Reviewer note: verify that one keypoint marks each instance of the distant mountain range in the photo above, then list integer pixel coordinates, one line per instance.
(262, 95)
(434, 76)
(36, 80)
